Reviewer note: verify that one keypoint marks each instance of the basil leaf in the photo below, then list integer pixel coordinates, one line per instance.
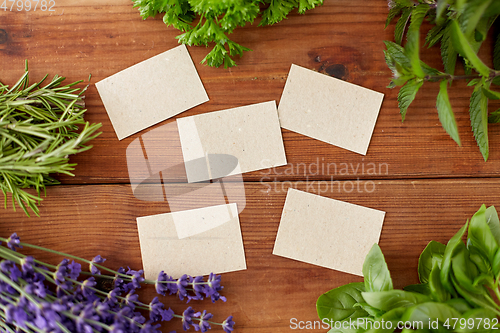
(433, 252)
(448, 253)
(459, 304)
(437, 290)
(370, 309)
(421, 288)
(375, 271)
(476, 317)
(464, 269)
(393, 316)
(388, 300)
(481, 237)
(339, 304)
(430, 311)
(482, 299)
(493, 222)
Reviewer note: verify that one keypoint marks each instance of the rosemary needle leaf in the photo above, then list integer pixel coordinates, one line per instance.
(39, 129)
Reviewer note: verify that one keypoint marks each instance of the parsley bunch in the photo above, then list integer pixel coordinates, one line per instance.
(459, 27)
(39, 128)
(215, 19)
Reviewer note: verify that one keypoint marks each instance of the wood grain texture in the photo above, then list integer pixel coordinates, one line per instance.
(342, 38)
(90, 220)
(426, 183)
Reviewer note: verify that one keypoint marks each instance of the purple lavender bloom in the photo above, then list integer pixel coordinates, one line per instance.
(182, 283)
(187, 318)
(137, 278)
(111, 298)
(13, 242)
(74, 270)
(162, 288)
(157, 311)
(85, 287)
(27, 264)
(97, 260)
(118, 281)
(16, 315)
(10, 268)
(203, 325)
(148, 328)
(62, 271)
(228, 324)
(36, 288)
(131, 298)
(213, 287)
(116, 328)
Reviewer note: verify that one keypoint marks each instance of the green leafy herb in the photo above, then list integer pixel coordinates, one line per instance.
(456, 293)
(206, 22)
(460, 28)
(39, 128)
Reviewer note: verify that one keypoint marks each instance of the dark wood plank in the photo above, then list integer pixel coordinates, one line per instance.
(90, 220)
(342, 38)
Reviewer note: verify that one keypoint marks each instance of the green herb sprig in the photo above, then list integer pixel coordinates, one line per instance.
(39, 129)
(460, 28)
(459, 289)
(215, 19)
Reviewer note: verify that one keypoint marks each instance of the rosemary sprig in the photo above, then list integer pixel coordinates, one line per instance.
(39, 129)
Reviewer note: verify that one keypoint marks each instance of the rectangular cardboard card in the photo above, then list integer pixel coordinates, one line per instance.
(329, 109)
(327, 232)
(228, 142)
(194, 242)
(151, 91)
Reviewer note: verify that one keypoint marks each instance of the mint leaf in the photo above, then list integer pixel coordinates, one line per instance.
(469, 19)
(494, 117)
(412, 47)
(479, 119)
(434, 35)
(496, 53)
(393, 12)
(448, 52)
(400, 28)
(407, 94)
(463, 47)
(490, 93)
(445, 112)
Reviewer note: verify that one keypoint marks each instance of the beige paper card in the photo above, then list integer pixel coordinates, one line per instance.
(327, 232)
(232, 141)
(329, 109)
(151, 91)
(178, 242)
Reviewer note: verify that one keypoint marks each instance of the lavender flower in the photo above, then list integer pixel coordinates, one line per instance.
(187, 318)
(228, 324)
(81, 306)
(13, 242)
(203, 325)
(97, 260)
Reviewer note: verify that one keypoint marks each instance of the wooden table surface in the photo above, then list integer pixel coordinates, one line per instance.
(426, 183)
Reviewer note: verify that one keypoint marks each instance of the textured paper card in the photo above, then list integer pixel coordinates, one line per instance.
(151, 91)
(327, 232)
(329, 109)
(194, 242)
(248, 137)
